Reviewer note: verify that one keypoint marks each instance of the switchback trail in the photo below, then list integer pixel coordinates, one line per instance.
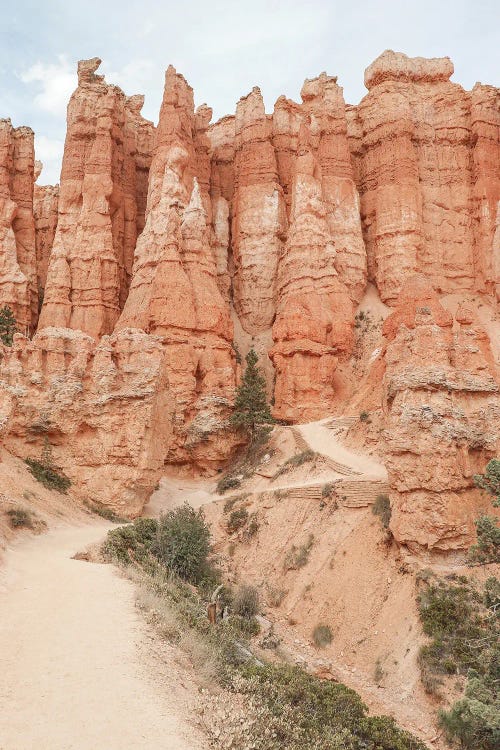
(79, 667)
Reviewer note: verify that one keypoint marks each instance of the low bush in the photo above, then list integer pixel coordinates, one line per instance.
(246, 601)
(487, 548)
(382, 508)
(20, 518)
(275, 595)
(183, 543)
(463, 624)
(364, 416)
(237, 520)
(48, 475)
(297, 557)
(322, 635)
(227, 483)
(327, 489)
(294, 461)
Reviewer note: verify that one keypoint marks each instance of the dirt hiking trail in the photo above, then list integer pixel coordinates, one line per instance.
(79, 667)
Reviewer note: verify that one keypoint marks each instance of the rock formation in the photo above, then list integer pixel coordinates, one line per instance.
(18, 284)
(174, 291)
(442, 417)
(423, 149)
(45, 204)
(91, 260)
(189, 240)
(105, 408)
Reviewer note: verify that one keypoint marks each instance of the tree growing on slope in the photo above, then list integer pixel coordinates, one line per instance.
(487, 549)
(250, 407)
(7, 325)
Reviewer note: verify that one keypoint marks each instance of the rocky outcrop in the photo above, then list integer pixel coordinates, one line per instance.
(315, 319)
(442, 409)
(45, 204)
(421, 146)
(259, 217)
(174, 291)
(105, 407)
(18, 284)
(91, 260)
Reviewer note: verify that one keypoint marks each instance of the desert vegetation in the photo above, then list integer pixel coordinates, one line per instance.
(283, 705)
(462, 622)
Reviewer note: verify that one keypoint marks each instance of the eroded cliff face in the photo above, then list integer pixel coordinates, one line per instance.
(18, 284)
(105, 407)
(442, 410)
(174, 291)
(91, 259)
(424, 151)
(162, 238)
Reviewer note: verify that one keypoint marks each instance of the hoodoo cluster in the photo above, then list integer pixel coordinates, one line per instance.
(162, 246)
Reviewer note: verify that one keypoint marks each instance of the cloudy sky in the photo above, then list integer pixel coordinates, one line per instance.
(223, 49)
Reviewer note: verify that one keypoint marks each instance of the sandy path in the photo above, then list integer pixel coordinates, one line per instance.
(323, 440)
(76, 669)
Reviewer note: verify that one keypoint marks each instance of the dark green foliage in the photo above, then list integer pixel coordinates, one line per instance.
(105, 512)
(475, 719)
(227, 483)
(382, 508)
(250, 407)
(490, 480)
(310, 713)
(246, 602)
(183, 543)
(132, 542)
(237, 519)
(487, 548)
(322, 635)
(463, 623)
(7, 325)
(48, 475)
(364, 416)
(20, 518)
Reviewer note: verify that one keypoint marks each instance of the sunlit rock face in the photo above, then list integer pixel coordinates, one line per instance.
(18, 283)
(424, 151)
(101, 198)
(166, 249)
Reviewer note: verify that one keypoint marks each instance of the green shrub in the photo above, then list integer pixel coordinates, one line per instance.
(294, 461)
(297, 557)
(463, 624)
(252, 527)
(227, 483)
(327, 489)
(364, 416)
(246, 601)
(8, 325)
(475, 719)
(490, 480)
(237, 520)
(20, 518)
(48, 475)
(322, 635)
(382, 508)
(487, 548)
(183, 543)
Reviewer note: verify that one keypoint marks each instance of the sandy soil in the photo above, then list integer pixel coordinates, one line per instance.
(321, 439)
(79, 668)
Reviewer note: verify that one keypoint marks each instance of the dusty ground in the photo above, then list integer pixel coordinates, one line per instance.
(79, 667)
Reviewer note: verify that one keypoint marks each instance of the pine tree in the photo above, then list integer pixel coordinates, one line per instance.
(250, 407)
(490, 480)
(7, 325)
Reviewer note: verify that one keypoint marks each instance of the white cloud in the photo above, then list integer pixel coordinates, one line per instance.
(49, 151)
(56, 80)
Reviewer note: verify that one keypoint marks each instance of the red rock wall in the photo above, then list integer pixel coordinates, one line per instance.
(424, 151)
(91, 260)
(18, 284)
(45, 205)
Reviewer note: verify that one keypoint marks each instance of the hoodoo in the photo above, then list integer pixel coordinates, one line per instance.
(165, 253)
